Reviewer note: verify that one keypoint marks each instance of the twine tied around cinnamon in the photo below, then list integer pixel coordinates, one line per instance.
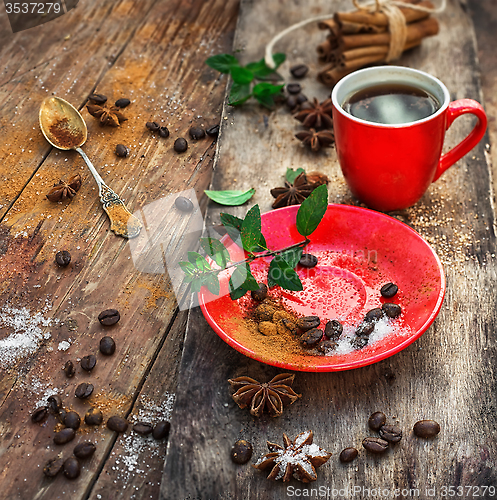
(396, 26)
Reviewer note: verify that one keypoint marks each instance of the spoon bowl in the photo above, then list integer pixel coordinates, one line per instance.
(64, 128)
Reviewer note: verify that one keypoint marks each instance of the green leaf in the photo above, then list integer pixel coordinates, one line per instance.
(233, 226)
(281, 273)
(223, 62)
(237, 293)
(250, 282)
(266, 89)
(241, 281)
(279, 58)
(262, 244)
(241, 75)
(261, 71)
(239, 94)
(291, 174)
(187, 267)
(292, 256)
(196, 285)
(251, 229)
(230, 198)
(216, 250)
(266, 100)
(312, 211)
(212, 283)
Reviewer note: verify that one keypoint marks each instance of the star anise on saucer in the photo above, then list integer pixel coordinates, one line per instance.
(292, 194)
(299, 459)
(107, 116)
(272, 395)
(315, 114)
(316, 139)
(65, 190)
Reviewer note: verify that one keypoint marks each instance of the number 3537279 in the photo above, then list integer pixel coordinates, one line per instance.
(33, 7)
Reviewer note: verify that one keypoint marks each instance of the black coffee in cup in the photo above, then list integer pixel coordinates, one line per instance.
(391, 103)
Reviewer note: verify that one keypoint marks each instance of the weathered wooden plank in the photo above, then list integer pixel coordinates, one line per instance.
(168, 82)
(447, 375)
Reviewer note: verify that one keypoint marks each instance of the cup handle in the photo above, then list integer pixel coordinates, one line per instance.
(456, 109)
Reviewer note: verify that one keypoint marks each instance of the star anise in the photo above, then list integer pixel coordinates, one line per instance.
(299, 459)
(107, 116)
(316, 139)
(272, 395)
(316, 114)
(292, 194)
(65, 190)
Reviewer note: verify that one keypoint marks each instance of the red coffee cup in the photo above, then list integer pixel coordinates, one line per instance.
(390, 166)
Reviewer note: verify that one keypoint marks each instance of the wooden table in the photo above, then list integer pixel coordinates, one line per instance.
(169, 365)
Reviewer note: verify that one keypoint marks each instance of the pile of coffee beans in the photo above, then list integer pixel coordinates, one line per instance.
(389, 435)
(70, 467)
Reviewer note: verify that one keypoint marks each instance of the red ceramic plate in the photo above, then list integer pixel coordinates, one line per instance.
(359, 250)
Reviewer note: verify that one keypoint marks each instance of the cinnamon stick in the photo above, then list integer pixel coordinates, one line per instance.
(380, 19)
(415, 31)
(373, 50)
(351, 28)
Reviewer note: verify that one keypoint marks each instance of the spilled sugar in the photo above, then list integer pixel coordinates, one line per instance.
(24, 333)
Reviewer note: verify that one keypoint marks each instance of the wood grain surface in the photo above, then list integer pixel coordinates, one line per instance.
(152, 52)
(447, 375)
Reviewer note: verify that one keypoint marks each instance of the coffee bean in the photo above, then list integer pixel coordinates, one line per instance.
(377, 420)
(299, 70)
(161, 429)
(153, 126)
(260, 294)
(64, 436)
(55, 403)
(293, 88)
(197, 133)
(117, 424)
(375, 445)
(72, 469)
(308, 260)
(72, 420)
(84, 390)
(183, 204)
(98, 99)
(84, 450)
(311, 337)
(290, 325)
(241, 452)
(348, 454)
(333, 329)
(391, 433)
(93, 416)
(40, 414)
(389, 290)
(391, 310)
(180, 145)
(143, 428)
(107, 346)
(375, 314)
(53, 467)
(365, 328)
(61, 415)
(291, 102)
(164, 132)
(213, 131)
(426, 428)
(63, 258)
(327, 346)
(69, 369)
(308, 322)
(359, 342)
(88, 362)
(301, 98)
(122, 151)
(122, 103)
(109, 317)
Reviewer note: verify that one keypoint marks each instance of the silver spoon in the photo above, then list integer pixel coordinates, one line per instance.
(64, 128)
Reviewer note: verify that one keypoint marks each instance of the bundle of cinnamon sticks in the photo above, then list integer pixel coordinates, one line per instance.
(358, 39)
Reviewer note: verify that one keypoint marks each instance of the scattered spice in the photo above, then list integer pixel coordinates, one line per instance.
(107, 116)
(273, 395)
(316, 139)
(299, 459)
(316, 115)
(65, 190)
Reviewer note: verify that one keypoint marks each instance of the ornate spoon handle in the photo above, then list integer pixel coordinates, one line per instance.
(122, 222)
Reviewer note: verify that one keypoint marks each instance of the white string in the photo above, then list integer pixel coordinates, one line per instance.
(268, 57)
